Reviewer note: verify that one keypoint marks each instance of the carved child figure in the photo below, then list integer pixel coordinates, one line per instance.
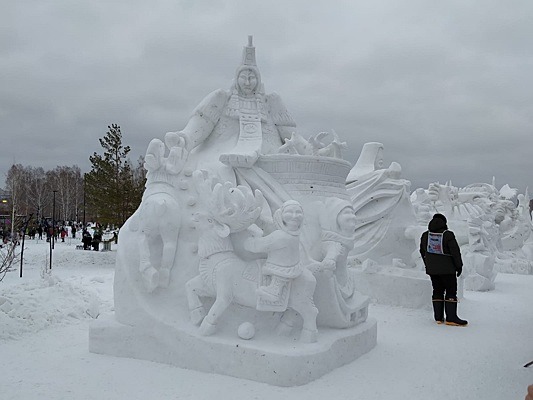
(283, 250)
(338, 223)
(339, 304)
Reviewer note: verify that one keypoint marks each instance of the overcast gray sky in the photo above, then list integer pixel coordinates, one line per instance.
(446, 86)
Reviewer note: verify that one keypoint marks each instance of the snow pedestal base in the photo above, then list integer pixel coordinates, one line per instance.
(283, 361)
(394, 286)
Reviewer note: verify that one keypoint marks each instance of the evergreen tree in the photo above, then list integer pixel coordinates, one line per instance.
(111, 191)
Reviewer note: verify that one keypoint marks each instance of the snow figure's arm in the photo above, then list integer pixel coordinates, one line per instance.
(204, 119)
(281, 117)
(178, 154)
(274, 241)
(154, 155)
(332, 251)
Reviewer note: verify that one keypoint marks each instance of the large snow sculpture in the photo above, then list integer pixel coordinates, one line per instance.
(231, 242)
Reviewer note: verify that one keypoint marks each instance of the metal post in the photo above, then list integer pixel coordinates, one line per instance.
(53, 219)
(51, 249)
(84, 186)
(53, 227)
(25, 226)
(12, 218)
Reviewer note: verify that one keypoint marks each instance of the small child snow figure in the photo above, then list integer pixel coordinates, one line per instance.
(283, 250)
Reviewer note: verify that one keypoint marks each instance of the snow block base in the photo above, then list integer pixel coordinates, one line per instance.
(280, 362)
(395, 286)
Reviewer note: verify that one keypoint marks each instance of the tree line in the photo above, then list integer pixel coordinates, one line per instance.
(109, 193)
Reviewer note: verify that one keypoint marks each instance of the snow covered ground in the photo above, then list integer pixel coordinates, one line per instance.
(44, 320)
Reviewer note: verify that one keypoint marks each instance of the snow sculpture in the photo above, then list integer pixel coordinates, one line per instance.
(220, 267)
(383, 211)
(481, 255)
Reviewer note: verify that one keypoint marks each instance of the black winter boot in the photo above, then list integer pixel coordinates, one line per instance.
(438, 310)
(451, 313)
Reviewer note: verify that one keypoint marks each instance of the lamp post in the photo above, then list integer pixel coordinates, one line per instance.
(84, 187)
(53, 227)
(24, 227)
(3, 226)
(12, 219)
(54, 218)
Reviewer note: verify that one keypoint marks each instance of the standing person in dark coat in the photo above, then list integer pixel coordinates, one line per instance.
(97, 238)
(86, 239)
(442, 257)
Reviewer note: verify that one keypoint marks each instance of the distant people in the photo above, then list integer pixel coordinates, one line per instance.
(16, 238)
(86, 239)
(97, 238)
(63, 233)
(73, 230)
(40, 232)
(442, 258)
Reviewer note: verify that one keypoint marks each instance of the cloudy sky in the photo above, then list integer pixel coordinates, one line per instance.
(446, 86)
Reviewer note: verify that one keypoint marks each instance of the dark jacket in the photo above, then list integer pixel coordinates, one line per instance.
(441, 264)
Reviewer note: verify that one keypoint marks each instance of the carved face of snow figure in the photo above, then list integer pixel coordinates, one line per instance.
(292, 217)
(346, 220)
(247, 81)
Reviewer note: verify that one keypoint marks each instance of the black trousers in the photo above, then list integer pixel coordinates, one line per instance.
(444, 284)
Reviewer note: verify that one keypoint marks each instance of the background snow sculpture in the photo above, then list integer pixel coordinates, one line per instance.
(492, 230)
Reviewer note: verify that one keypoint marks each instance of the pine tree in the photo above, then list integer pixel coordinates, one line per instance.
(111, 192)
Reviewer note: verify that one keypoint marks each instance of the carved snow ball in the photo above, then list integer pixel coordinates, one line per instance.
(303, 175)
(246, 330)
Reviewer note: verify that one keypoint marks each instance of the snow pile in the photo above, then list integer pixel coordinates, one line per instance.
(33, 306)
(68, 293)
